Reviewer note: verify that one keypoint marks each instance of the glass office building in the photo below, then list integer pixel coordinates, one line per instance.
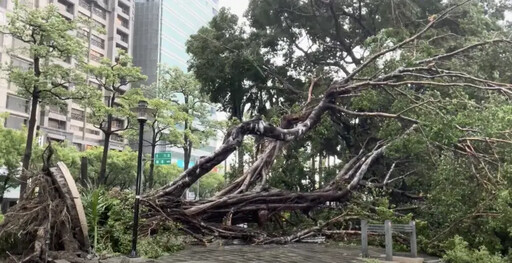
(162, 28)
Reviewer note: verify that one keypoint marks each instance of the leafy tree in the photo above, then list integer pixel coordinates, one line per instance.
(11, 152)
(229, 66)
(209, 185)
(193, 121)
(45, 38)
(161, 125)
(122, 167)
(164, 174)
(112, 115)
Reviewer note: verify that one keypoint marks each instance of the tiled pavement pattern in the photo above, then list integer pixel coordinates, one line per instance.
(271, 254)
(292, 253)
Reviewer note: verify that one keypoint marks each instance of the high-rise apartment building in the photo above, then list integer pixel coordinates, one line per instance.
(113, 30)
(162, 28)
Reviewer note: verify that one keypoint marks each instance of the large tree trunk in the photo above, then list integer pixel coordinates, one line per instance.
(104, 158)
(29, 143)
(31, 130)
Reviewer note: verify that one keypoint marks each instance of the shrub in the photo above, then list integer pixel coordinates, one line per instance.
(459, 252)
(113, 226)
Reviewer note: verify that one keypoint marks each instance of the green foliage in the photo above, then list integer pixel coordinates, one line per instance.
(209, 184)
(164, 174)
(44, 36)
(11, 151)
(121, 167)
(228, 65)
(192, 111)
(112, 213)
(95, 206)
(459, 252)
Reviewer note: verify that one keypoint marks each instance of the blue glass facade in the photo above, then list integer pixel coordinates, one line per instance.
(179, 20)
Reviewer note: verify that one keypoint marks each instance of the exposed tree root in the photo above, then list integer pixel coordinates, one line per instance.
(40, 224)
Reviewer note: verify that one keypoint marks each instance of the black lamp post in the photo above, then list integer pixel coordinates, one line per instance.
(142, 111)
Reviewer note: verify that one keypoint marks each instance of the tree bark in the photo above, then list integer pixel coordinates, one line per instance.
(4, 188)
(30, 140)
(151, 180)
(31, 129)
(104, 158)
(107, 131)
(187, 152)
(320, 170)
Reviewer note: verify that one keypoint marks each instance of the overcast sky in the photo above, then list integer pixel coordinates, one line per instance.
(238, 7)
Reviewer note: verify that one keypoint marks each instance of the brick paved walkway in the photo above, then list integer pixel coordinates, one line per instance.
(292, 253)
(310, 253)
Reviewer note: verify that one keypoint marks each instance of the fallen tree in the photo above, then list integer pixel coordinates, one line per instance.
(248, 199)
(49, 223)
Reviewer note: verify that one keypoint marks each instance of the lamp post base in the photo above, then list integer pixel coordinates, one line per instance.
(133, 254)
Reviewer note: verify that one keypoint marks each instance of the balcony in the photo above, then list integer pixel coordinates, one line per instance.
(95, 56)
(84, 4)
(57, 110)
(66, 8)
(57, 124)
(77, 115)
(123, 10)
(123, 40)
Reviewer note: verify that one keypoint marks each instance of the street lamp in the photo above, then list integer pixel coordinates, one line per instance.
(142, 111)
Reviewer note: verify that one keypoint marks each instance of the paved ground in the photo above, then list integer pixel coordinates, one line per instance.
(292, 253)
(274, 254)
(298, 253)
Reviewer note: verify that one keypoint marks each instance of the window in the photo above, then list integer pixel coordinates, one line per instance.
(18, 104)
(124, 8)
(116, 137)
(117, 124)
(123, 22)
(76, 128)
(19, 63)
(122, 36)
(15, 122)
(69, 6)
(97, 41)
(99, 12)
(95, 56)
(56, 124)
(77, 114)
(57, 109)
(84, 4)
(91, 131)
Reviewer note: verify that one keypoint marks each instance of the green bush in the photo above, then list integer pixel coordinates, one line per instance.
(459, 252)
(113, 221)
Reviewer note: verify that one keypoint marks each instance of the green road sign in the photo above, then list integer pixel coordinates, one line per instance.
(163, 158)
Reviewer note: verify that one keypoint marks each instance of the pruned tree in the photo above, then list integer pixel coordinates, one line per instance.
(42, 38)
(421, 75)
(111, 115)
